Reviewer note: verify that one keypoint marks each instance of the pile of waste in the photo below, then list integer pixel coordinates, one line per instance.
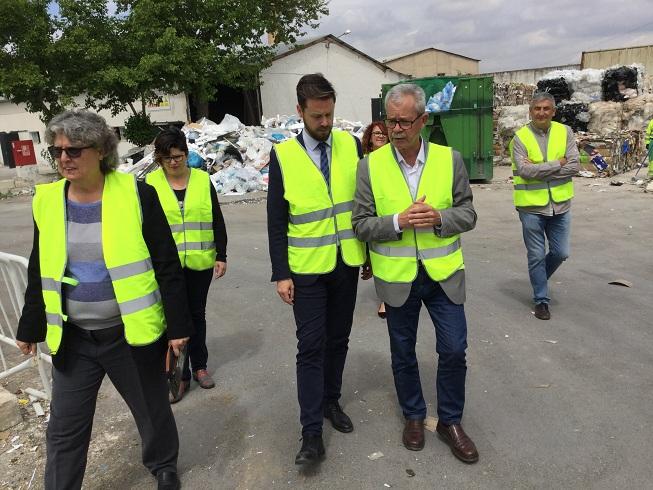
(236, 156)
(620, 151)
(506, 94)
(558, 87)
(573, 114)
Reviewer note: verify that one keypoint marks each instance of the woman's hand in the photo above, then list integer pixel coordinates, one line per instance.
(177, 344)
(26, 348)
(219, 269)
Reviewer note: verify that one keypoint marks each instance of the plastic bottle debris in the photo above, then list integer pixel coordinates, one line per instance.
(441, 102)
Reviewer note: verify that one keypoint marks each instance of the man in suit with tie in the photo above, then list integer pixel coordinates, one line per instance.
(413, 200)
(315, 255)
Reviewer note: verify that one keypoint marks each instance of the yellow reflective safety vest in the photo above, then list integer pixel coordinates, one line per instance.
(192, 227)
(320, 215)
(532, 192)
(125, 254)
(649, 133)
(395, 261)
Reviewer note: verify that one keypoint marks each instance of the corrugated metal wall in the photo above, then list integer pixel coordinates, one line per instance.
(622, 56)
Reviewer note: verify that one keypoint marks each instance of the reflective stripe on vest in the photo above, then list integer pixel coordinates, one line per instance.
(531, 192)
(396, 261)
(125, 254)
(319, 217)
(192, 230)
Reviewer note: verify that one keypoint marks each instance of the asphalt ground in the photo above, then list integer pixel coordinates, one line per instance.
(558, 404)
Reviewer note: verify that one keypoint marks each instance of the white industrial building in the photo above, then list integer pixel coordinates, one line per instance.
(356, 77)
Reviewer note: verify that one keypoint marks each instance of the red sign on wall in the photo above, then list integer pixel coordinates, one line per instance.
(23, 151)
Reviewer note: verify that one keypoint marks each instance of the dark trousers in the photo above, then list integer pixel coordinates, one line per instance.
(451, 342)
(197, 288)
(88, 357)
(324, 311)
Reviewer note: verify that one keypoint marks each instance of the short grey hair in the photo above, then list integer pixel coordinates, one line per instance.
(86, 128)
(399, 91)
(538, 96)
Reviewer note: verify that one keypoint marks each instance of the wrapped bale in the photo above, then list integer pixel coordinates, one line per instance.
(584, 85)
(605, 118)
(619, 84)
(575, 115)
(558, 87)
(638, 112)
(509, 120)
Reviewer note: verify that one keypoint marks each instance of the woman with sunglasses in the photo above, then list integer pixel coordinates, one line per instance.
(191, 207)
(374, 137)
(106, 293)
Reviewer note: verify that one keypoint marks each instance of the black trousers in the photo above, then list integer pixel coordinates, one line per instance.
(197, 288)
(140, 382)
(324, 311)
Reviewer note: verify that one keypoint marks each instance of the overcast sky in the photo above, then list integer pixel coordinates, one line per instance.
(503, 34)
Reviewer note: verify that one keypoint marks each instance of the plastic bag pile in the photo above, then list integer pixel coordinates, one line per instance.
(236, 156)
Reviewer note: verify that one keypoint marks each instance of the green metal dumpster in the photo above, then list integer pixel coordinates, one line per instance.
(467, 126)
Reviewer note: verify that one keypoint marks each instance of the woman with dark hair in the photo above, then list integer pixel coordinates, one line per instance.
(106, 293)
(374, 137)
(191, 207)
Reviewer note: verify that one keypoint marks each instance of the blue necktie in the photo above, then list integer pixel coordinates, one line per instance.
(324, 161)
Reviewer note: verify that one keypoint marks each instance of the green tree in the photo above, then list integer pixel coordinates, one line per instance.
(125, 58)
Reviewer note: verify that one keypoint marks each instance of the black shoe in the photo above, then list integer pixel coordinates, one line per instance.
(168, 480)
(542, 311)
(312, 449)
(338, 418)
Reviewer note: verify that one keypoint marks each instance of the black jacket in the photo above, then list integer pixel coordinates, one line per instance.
(278, 216)
(167, 269)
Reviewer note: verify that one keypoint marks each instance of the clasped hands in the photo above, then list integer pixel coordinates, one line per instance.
(419, 215)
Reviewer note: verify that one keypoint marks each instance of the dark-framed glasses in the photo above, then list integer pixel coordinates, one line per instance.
(176, 158)
(379, 133)
(72, 151)
(391, 123)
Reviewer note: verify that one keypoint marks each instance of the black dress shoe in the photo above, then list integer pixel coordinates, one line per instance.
(542, 311)
(338, 418)
(312, 449)
(168, 480)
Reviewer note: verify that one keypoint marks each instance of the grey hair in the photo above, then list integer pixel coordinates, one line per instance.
(396, 93)
(86, 128)
(538, 96)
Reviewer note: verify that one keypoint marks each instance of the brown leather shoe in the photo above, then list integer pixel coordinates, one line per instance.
(204, 379)
(542, 311)
(461, 445)
(413, 437)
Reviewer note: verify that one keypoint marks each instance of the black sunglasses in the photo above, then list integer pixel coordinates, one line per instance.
(72, 152)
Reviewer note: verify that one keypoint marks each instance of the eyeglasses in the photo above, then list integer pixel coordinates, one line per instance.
(379, 133)
(391, 123)
(176, 158)
(72, 152)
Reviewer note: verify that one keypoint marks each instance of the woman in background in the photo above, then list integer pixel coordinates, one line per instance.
(191, 207)
(374, 137)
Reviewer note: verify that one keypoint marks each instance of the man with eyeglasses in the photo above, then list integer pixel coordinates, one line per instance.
(412, 202)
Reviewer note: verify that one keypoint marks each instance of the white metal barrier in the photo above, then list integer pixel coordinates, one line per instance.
(13, 279)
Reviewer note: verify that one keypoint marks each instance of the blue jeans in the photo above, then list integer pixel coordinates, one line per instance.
(536, 229)
(451, 342)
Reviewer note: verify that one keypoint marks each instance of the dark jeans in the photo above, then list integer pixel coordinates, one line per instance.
(197, 288)
(451, 342)
(324, 311)
(143, 386)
